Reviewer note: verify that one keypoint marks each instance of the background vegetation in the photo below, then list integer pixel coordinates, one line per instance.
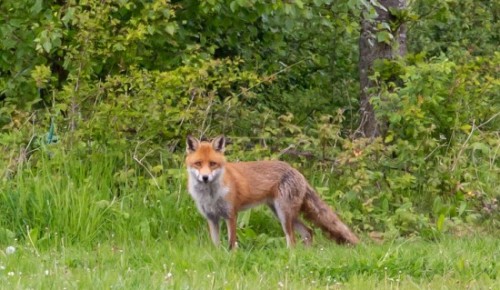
(96, 98)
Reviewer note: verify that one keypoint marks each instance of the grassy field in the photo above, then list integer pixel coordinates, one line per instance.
(190, 262)
(90, 223)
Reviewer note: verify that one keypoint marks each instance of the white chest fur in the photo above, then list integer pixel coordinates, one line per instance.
(209, 197)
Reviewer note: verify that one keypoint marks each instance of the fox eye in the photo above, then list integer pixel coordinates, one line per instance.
(212, 164)
(197, 164)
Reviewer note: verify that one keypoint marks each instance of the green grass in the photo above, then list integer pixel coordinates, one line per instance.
(191, 262)
(93, 223)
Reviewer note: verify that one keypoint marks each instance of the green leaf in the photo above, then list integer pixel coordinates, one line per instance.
(440, 223)
(318, 3)
(384, 36)
(47, 46)
(170, 28)
(233, 5)
(481, 147)
(395, 118)
(68, 16)
(466, 128)
(244, 219)
(33, 235)
(118, 47)
(102, 204)
(461, 209)
(157, 169)
(37, 7)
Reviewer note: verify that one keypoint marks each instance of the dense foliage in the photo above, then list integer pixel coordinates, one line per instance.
(80, 80)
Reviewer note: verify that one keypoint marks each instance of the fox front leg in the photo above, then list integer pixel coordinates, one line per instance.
(213, 226)
(231, 231)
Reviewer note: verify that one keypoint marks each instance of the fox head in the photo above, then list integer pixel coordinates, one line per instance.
(205, 159)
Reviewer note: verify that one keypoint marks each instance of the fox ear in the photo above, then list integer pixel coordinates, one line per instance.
(219, 143)
(191, 144)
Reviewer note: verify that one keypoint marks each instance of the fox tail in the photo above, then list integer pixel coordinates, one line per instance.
(318, 212)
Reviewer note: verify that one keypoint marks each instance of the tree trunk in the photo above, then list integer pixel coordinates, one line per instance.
(370, 50)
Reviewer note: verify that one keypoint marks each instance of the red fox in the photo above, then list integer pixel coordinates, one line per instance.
(221, 189)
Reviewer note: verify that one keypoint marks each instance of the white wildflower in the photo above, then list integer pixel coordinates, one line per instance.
(10, 250)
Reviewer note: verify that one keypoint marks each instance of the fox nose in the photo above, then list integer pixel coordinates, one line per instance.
(205, 178)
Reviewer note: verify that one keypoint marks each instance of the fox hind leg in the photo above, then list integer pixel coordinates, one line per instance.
(287, 225)
(305, 232)
(286, 220)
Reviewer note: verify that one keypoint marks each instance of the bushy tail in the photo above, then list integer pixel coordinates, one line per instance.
(318, 212)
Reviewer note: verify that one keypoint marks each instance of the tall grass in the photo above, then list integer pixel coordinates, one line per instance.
(59, 198)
